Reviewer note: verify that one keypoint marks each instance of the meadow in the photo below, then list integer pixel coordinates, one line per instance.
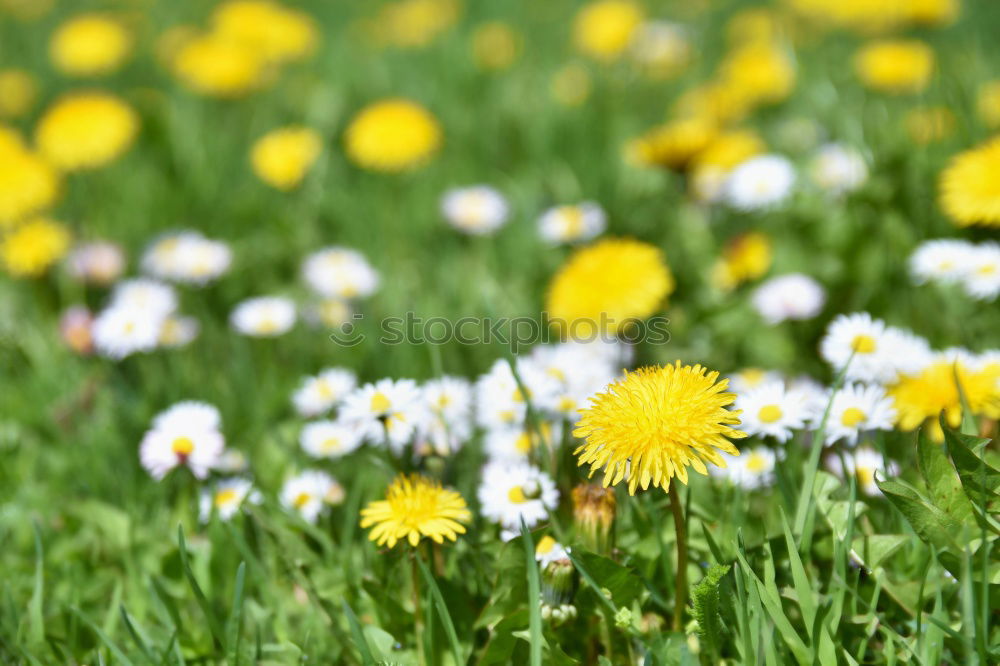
(727, 389)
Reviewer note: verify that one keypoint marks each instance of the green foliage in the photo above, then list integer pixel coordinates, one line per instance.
(705, 598)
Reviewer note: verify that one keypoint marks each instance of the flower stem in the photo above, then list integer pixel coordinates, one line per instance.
(418, 618)
(680, 577)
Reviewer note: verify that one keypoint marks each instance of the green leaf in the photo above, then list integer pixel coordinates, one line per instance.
(359, 637)
(979, 479)
(930, 523)
(111, 645)
(623, 583)
(442, 610)
(234, 626)
(705, 599)
(942, 481)
(206, 608)
(874, 549)
(534, 597)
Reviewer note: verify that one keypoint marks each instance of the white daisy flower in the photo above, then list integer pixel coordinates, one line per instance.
(449, 402)
(500, 401)
(549, 550)
(872, 351)
(707, 183)
(769, 410)
(319, 394)
(144, 295)
(478, 210)
(864, 462)
(662, 47)
(752, 469)
(838, 169)
(340, 272)
(187, 257)
(759, 183)
(748, 379)
(164, 448)
(511, 493)
(858, 408)
(577, 374)
(99, 262)
(572, 224)
(177, 331)
(121, 331)
(225, 498)
(509, 444)
(310, 492)
(810, 394)
(263, 317)
(941, 260)
(189, 414)
(981, 277)
(791, 296)
(329, 439)
(388, 410)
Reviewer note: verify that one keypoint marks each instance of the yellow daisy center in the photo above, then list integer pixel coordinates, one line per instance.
(380, 402)
(516, 495)
(224, 497)
(523, 443)
(756, 463)
(770, 414)
(330, 444)
(863, 344)
(301, 500)
(182, 446)
(545, 545)
(852, 416)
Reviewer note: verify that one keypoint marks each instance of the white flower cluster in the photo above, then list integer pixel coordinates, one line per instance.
(974, 267)
(140, 316)
(187, 257)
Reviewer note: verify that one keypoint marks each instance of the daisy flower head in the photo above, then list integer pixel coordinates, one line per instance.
(514, 492)
(477, 210)
(573, 224)
(500, 400)
(309, 493)
(282, 157)
(871, 351)
(549, 550)
(793, 296)
(770, 410)
(31, 248)
(513, 444)
(660, 48)
(389, 411)
(175, 442)
(225, 498)
(968, 191)
(339, 272)
(144, 295)
(449, 402)
(86, 130)
(577, 373)
(329, 439)
(604, 287)
(752, 470)
(263, 317)
(416, 507)
(89, 45)
(982, 275)
(864, 463)
(941, 260)
(838, 169)
(122, 331)
(321, 393)
(98, 262)
(649, 426)
(177, 331)
(603, 29)
(895, 66)
(186, 257)
(392, 135)
(858, 408)
(748, 379)
(189, 414)
(760, 183)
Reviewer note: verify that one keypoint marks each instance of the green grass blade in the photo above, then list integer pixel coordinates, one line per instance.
(359, 636)
(108, 642)
(442, 610)
(234, 626)
(534, 596)
(213, 623)
(137, 637)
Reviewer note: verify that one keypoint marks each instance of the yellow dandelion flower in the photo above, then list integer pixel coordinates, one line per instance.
(27, 10)
(969, 187)
(931, 12)
(18, 92)
(922, 398)
(495, 45)
(755, 24)
(715, 100)
(604, 29)
(278, 33)
(28, 184)
(988, 103)
(282, 157)
(86, 130)
(32, 247)
(392, 135)
(218, 66)
(412, 24)
(651, 425)
(570, 85)
(727, 149)
(672, 145)
(89, 45)
(762, 73)
(927, 124)
(895, 65)
(745, 257)
(606, 286)
(415, 507)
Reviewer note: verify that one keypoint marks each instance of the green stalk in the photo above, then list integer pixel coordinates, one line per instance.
(680, 576)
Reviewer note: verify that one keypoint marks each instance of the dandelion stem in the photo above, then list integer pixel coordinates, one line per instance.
(680, 576)
(418, 618)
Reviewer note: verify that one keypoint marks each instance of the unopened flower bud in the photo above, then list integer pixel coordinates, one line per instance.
(594, 515)
(558, 582)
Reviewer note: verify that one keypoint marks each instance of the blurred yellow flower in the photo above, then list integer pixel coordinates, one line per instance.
(604, 29)
(895, 66)
(654, 423)
(754, 24)
(988, 103)
(282, 157)
(727, 149)
(416, 507)
(90, 45)
(927, 124)
(744, 258)
(218, 66)
(413, 23)
(673, 145)
(870, 16)
(28, 184)
(277, 33)
(661, 49)
(30, 248)
(27, 10)
(392, 135)
(970, 188)
(931, 12)
(86, 130)
(763, 73)
(18, 91)
(604, 287)
(495, 45)
(570, 85)
(715, 100)
(921, 398)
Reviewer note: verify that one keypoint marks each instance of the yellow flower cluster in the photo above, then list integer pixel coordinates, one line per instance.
(90, 45)
(920, 399)
(28, 183)
(869, 16)
(970, 188)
